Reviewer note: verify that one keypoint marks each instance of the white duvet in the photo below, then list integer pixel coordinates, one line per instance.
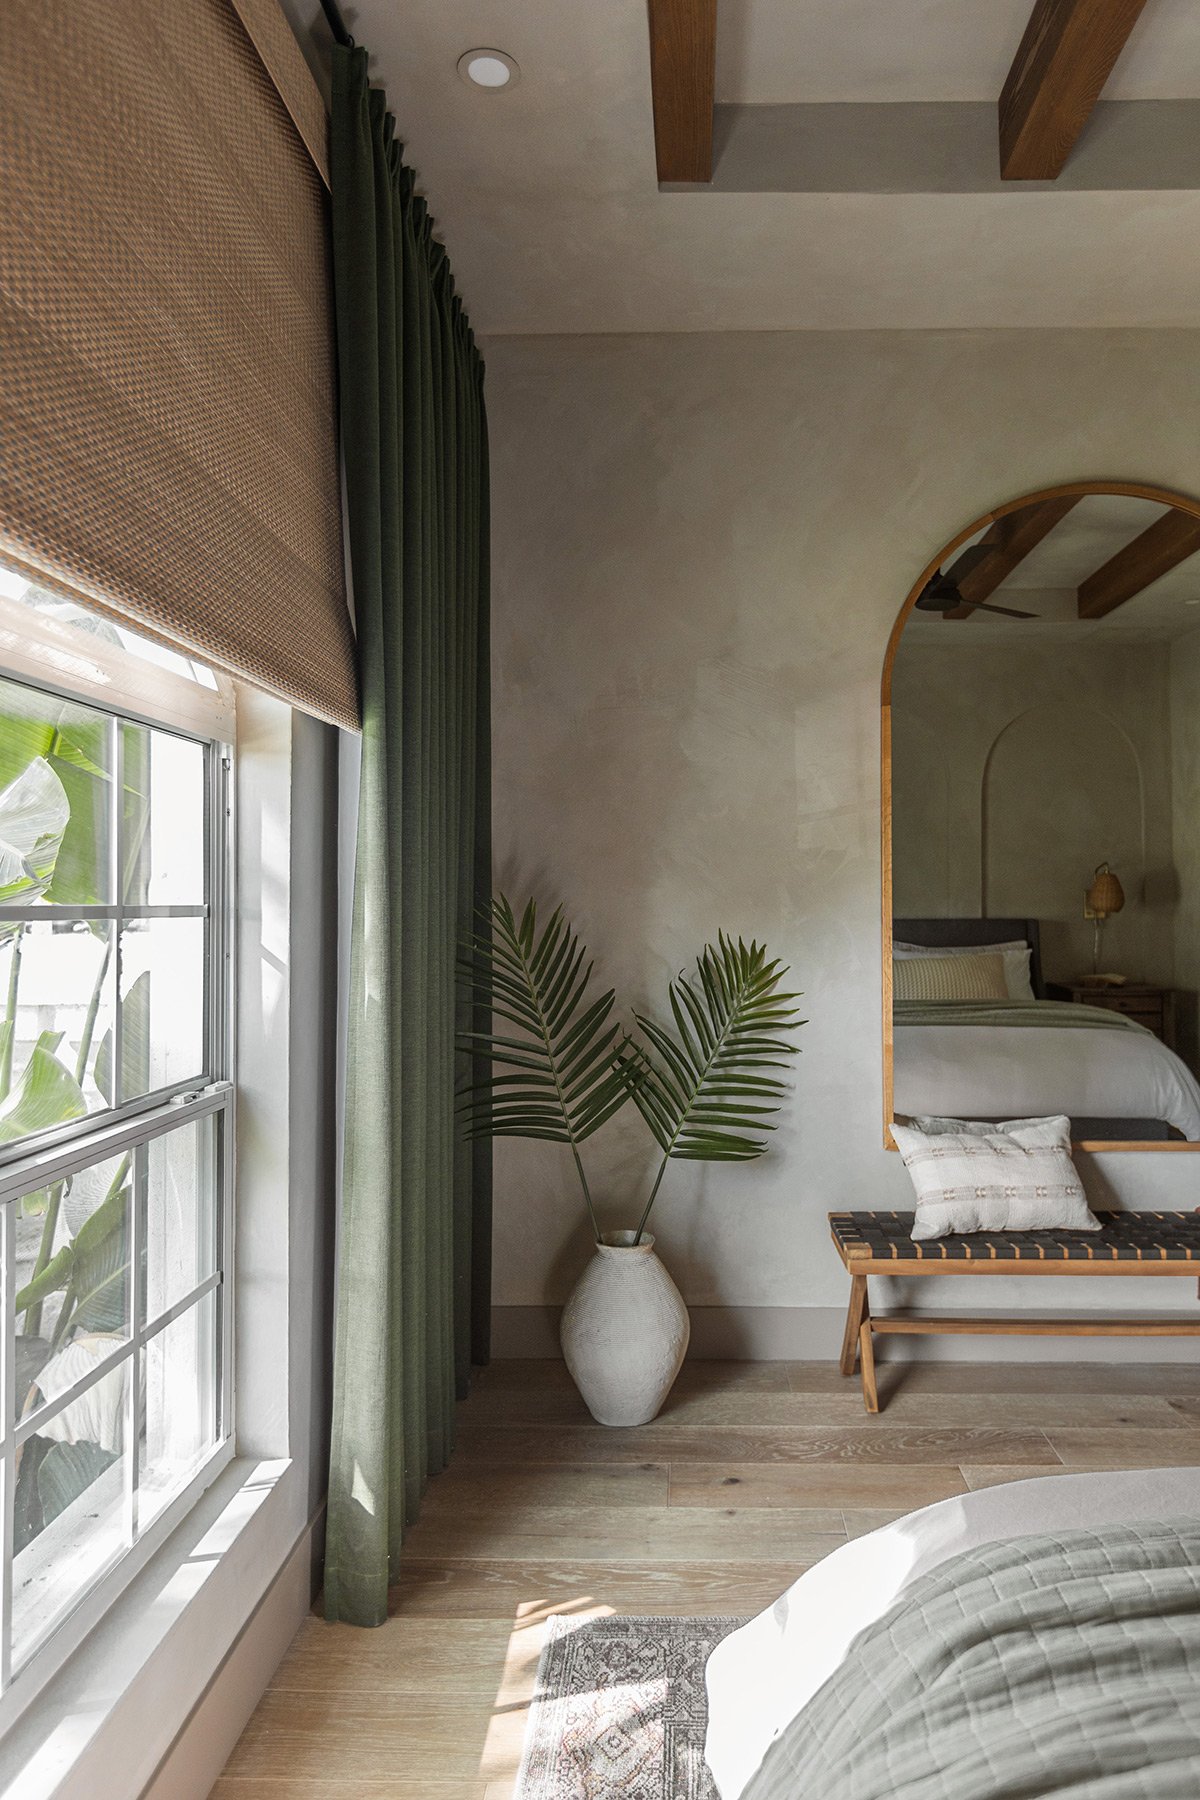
(762, 1675)
(1012, 1072)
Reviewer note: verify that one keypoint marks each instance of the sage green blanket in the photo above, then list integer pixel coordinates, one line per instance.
(1025, 1013)
(1056, 1665)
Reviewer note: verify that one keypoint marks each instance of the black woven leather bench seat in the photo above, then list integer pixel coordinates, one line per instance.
(1161, 1244)
(1132, 1237)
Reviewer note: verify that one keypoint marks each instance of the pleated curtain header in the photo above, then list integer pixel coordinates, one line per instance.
(167, 389)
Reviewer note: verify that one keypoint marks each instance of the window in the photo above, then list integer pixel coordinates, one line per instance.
(115, 1127)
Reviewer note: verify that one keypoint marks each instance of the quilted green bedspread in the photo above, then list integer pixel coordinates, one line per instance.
(1057, 1665)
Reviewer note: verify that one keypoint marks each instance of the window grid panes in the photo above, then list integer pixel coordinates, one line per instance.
(106, 868)
(115, 1152)
(115, 1404)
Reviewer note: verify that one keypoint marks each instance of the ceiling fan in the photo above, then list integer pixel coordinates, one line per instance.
(941, 591)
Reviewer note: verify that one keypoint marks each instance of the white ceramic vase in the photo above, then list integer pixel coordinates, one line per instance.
(624, 1331)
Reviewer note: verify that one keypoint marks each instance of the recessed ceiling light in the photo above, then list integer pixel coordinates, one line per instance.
(488, 69)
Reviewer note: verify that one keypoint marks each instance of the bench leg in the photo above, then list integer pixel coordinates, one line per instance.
(866, 1350)
(858, 1310)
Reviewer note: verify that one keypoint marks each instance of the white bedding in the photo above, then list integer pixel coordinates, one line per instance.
(762, 1675)
(1011, 1072)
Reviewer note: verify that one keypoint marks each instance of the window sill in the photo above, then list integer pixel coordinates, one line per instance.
(140, 1672)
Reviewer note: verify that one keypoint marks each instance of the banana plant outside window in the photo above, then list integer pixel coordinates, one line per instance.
(115, 1146)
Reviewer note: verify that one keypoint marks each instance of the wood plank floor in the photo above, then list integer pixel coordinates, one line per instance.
(752, 1472)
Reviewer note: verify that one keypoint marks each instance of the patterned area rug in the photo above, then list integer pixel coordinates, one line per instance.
(620, 1711)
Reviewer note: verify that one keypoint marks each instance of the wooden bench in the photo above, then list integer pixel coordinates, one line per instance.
(1129, 1243)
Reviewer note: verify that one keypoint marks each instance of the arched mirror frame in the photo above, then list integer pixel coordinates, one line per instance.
(1071, 489)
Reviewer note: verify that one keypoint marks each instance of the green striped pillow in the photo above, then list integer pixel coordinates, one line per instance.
(950, 977)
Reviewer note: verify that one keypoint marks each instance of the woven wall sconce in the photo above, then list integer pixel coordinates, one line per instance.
(1105, 897)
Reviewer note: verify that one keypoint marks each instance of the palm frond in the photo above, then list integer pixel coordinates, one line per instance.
(705, 1089)
(553, 1063)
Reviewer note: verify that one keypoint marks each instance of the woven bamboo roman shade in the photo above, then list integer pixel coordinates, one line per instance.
(168, 434)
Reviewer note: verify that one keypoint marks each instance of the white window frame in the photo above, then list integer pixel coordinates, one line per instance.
(206, 718)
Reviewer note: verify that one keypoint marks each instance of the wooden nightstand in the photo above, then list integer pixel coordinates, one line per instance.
(1153, 1007)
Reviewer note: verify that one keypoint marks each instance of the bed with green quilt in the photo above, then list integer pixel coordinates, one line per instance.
(1058, 1662)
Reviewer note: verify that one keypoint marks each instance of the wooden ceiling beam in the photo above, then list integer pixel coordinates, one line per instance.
(683, 67)
(1010, 540)
(1156, 551)
(1065, 57)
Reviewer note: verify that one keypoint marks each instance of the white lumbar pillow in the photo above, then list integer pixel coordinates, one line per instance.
(1015, 1176)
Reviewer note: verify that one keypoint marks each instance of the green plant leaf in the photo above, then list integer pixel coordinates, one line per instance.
(553, 1061)
(553, 1075)
(52, 1279)
(135, 1046)
(45, 1094)
(135, 762)
(80, 757)
(73, 742)
(34, 814)
(66, 1471)
(27, 728)
(96, 1297)
(701, 1088)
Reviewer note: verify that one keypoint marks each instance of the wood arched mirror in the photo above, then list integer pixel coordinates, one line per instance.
(1041, 821)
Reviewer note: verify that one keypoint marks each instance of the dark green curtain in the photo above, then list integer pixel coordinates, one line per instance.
(414, 1243)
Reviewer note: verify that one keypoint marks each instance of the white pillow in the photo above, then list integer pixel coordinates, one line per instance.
(949, 978)
(1017, 959)
(1015, 1176)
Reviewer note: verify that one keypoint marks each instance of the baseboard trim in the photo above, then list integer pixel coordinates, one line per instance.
(814, 1334)
(193, 1764)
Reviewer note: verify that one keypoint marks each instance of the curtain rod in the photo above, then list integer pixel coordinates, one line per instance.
(337, 24)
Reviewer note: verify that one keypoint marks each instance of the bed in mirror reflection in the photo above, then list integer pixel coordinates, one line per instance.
(1042, 812)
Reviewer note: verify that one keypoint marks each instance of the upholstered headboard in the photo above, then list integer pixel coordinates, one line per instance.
(937, 933)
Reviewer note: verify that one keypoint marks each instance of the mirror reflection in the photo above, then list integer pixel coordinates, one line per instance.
(1045, 815)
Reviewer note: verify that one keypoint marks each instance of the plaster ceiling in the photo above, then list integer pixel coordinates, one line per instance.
(781, 51)
(546, 193)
